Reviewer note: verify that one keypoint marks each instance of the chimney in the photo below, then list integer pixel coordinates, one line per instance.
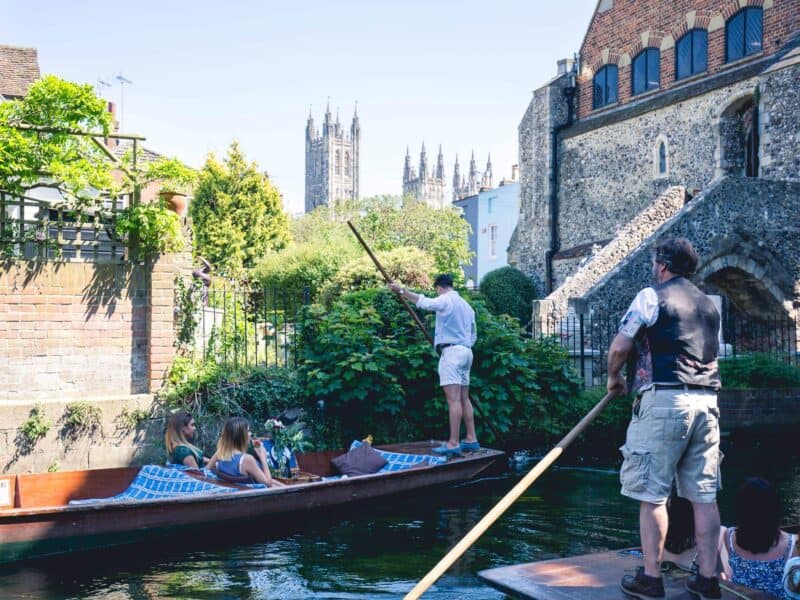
(514, 172)
(112, 108)
(564, 66)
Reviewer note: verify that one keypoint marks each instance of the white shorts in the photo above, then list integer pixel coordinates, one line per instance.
(454, 365)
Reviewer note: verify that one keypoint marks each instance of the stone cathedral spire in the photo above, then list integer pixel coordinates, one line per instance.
(332, 160)
(426, 186)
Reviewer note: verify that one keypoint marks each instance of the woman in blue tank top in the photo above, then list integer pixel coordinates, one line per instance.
(754, 553)
(231, 460)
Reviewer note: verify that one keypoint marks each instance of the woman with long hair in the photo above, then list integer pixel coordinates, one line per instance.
(755, 551)
(231, 460)
(680, 547)
(179, 438)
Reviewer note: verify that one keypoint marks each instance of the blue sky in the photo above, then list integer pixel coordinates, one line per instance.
(204, 73)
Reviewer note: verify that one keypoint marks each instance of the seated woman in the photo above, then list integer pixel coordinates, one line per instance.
(679, 547)
(755, 552)
(231, 461)
(178, 439)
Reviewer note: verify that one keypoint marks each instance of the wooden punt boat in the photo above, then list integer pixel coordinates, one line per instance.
(37, 519)
(593, 577)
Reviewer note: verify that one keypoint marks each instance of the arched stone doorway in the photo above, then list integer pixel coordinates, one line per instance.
(738, 137)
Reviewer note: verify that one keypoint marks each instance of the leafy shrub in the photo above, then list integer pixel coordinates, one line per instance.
(156, 228)
(758, 370)
(37, 425)
(377, 374)
(309, 265)
(508, 291)
(81, 418)
(411, 266)
(211, 390)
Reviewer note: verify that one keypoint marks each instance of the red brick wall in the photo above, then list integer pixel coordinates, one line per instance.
(77, 330)
(618, 32)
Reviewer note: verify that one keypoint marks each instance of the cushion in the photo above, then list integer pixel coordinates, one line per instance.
(363, 460)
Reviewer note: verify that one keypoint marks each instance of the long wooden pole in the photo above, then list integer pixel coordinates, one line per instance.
(507, 500)
(417, 320)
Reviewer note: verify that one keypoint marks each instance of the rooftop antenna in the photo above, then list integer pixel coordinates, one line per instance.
(102, 83)
(122, 81)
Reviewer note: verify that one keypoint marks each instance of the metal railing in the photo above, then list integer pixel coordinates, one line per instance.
(254, 326)
(586, 339)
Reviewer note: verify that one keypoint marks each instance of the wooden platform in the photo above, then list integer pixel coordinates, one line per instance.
(593, 577)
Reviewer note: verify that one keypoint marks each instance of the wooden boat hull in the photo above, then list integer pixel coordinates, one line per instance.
(46, 530)
(591, 577)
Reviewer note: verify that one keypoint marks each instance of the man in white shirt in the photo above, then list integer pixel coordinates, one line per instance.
(455, 335)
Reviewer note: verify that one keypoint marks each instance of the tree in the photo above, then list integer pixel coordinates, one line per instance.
(74, 165)
(236, 213)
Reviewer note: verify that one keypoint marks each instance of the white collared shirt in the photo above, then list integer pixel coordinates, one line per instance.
(455, 319)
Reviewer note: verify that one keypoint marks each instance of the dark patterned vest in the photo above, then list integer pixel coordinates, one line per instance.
(684, 339)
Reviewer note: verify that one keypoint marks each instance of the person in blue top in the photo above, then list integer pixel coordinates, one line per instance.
(231, 460)
(454, 337)
(755, 552)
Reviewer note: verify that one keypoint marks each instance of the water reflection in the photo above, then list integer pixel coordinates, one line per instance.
(381, 551)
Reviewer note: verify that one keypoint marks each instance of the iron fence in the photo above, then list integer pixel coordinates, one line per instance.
(586, 339)
(252, 326)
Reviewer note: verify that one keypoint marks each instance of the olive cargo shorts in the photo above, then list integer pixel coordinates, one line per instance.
(674, 436)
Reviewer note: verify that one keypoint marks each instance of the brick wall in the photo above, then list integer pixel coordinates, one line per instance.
(80, 330)
(617, 35)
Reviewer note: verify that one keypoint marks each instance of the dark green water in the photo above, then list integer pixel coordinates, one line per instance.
(381, 551)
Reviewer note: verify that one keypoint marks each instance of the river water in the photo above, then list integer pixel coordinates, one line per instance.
(380, 551)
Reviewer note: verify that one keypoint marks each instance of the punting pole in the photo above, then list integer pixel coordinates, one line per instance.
(507, 500)
(417, 320)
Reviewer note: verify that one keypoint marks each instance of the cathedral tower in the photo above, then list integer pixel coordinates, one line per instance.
(332, 160)
(429, 185)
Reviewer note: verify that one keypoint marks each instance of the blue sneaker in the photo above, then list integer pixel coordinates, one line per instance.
(470, 446)
(443, 450)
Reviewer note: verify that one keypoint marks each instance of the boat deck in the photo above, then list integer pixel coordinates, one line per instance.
(591, 577)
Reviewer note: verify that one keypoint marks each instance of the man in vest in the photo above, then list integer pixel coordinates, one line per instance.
(674, 430)
(455, 335)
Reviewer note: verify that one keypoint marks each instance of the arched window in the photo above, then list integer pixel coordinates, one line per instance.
(338, 164)
(347, 164)
(743, 34)
(661, 157)
(691, 54)
(646, 71)
(605, 86)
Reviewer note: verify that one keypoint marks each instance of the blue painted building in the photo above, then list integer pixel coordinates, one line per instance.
(492, 213)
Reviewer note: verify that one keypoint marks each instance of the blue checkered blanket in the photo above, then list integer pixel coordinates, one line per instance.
(397, 461)
(154, 482)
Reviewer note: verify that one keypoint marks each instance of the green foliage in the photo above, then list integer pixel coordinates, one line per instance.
(72, 164)
(284, 437)
(440, 232)
(309, 265)
(173, 175)
(386, 224)
(188, 309)
(758, 371)
(54, 466)
(156, 228)
(410, 266)
(377, 374)
(37, 425)
(508, 291)
(237, 214)
(212, 390)
(129, 418)
(81, 418)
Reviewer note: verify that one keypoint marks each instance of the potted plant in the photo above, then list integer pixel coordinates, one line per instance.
(176, 181)
(282, 442)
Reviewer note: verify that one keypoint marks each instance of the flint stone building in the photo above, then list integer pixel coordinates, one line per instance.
(678, 119)
(332, 161)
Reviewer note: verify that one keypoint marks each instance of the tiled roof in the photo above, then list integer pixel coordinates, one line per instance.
(19, 68)
(143, 155)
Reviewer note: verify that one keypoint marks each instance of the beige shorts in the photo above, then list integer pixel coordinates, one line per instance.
(454, 365)
(674, 436)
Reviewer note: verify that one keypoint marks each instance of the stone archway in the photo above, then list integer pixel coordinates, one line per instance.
(745, 284)
(738, 136)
